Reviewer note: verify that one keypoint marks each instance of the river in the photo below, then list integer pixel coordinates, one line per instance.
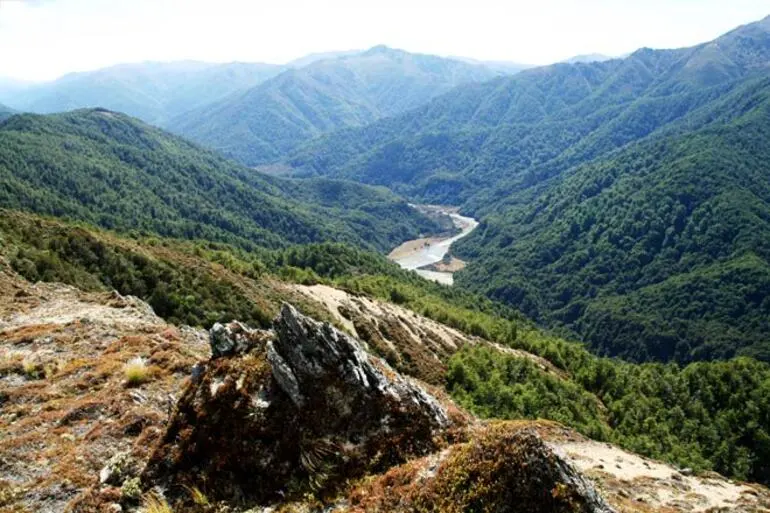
(419, 253)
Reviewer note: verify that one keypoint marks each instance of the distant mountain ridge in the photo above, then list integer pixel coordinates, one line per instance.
(589, 57)
(593, 103)
(311, 58)
(272, 118)
(151, 91)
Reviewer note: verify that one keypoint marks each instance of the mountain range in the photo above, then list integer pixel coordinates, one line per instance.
(275, 117)
(255, 112)
(610, 192)
(615, 297)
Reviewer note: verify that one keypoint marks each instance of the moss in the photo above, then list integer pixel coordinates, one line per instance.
(131, 490)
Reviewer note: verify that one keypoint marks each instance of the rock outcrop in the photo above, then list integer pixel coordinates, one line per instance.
(301, 408)
(234, 338)
(321, 367)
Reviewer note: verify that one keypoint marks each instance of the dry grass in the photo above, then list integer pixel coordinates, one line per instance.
(136, 371)
(197, 496)
(72, 411)
(155, 504)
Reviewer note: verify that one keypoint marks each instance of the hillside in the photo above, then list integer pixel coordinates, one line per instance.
(657, 252)
(112, 170)
(521, 153)
(57, 338)
(271, 119)
(151, 91)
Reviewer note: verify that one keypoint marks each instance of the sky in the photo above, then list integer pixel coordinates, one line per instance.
(44, 39)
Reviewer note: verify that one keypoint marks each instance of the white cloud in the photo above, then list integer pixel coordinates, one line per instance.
(41, 39)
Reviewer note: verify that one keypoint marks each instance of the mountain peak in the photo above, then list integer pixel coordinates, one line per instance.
(383, 50)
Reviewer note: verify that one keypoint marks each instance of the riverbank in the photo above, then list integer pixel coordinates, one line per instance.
(428, 256)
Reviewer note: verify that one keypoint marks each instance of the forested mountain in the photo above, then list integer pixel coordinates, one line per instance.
(112, 170)
(611, 193)
(658, 251)
(151, 91)
(271, 119)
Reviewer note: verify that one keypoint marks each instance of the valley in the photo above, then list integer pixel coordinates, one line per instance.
(385, 281)
(429, 256)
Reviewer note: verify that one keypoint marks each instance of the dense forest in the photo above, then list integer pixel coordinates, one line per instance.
(657, 252)
(114, 171)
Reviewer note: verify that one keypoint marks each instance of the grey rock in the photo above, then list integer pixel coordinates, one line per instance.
(575, 480)
(311, 359)
(118, 468)
(232, 339)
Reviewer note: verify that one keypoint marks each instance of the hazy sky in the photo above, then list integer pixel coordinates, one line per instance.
(42, 39)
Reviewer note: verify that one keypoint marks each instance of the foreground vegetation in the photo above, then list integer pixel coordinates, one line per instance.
(707, 415)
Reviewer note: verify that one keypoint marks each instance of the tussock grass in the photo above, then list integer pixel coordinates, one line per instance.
(136, 371)
(155, 504)
(197, 496)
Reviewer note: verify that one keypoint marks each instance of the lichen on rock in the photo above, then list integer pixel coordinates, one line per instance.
(233, 338)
